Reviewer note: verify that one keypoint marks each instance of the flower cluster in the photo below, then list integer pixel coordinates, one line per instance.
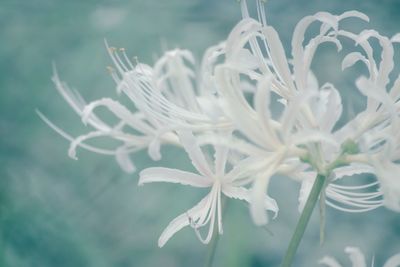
(221, 113)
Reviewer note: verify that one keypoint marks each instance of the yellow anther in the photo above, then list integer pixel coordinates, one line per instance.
(110, 69)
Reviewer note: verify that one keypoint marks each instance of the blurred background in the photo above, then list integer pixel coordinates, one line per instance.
(55, 211)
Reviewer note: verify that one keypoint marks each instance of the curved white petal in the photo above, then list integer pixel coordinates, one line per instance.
(299, 64)
(123, 159)
(154, 149)
(386, 64)
(242, 193)
(262, 107)
(119, 111)
(354, 14)
(257, 200)
(220, 157)
(80, 139)
(353, 58)
(278, 56)
(159, 174)
(352, 169)
(192, 148)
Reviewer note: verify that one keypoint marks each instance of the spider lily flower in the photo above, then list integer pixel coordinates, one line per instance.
(165, 99)
(214, 176)
(358, 260)
(170, 92)
(134, 131)
(305, 132)
(232, 90)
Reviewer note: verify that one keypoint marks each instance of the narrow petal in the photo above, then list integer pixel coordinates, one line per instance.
(120, 111)
(192, 148)
(262, 106)
(244, 194)
(159, 174)
(354, 14)
(257, 203)
(80, 139)
(278, 56)
(352, 169)
(220, 157)
(154, 149)
(123, 159)
(353, 58)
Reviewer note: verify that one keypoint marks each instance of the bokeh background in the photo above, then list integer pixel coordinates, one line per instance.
(55, 211)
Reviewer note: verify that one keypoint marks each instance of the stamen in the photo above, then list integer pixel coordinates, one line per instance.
(262, 11)
(243, 8)
(111, 52)
(122, 50)
(121, 62)
(112, 49)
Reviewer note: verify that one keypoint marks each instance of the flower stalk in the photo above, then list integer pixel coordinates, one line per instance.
(212, 246)
(304, 219)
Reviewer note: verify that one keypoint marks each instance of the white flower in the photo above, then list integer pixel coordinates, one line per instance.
(301, 134)
(165, 98)
(358, 260)
(130, 142)
(306, 128)
(220, 182)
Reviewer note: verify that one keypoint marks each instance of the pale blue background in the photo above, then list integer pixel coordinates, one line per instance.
(55, 211)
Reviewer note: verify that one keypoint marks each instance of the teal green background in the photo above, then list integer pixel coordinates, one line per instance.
(55, 211)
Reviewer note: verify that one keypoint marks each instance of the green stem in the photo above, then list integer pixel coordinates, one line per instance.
(304, 219)
(212, 247)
